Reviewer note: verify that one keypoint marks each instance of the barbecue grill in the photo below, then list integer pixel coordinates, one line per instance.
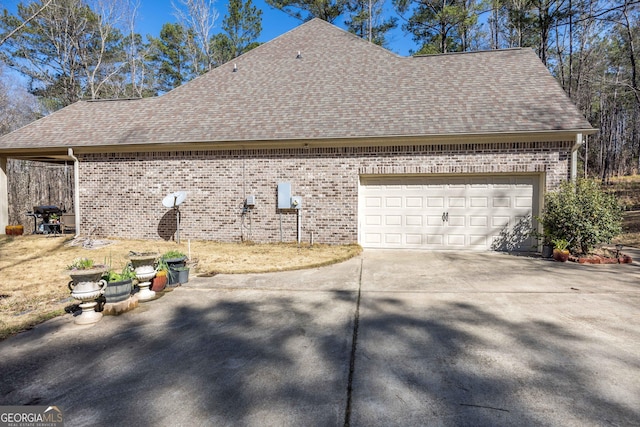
(41, 216)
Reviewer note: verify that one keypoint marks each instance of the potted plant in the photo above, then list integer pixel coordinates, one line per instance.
(545, 237)
(87, 285)
(86, 270)
(182, 274)
(176, 263)
(560, 250)
(159, 282)
(119, 285)
(144, 267)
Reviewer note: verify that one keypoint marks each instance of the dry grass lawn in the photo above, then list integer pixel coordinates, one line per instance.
(627, 190)
(34, 280)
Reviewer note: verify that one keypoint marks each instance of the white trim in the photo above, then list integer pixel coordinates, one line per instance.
(574, 156)
(4, 196)
(76, 189)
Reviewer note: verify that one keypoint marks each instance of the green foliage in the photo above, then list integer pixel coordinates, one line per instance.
(438, 26)
(560, 244)
(170, 53)
(81, 264)
(173, 254)
(243, 25)
(582, 214)
(162, 264)
(305, 10)
(358, 22)
(127, 273)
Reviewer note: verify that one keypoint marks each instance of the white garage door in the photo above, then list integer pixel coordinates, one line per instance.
(483, 212)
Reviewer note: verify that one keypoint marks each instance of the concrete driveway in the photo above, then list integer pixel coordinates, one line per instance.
(389, 338)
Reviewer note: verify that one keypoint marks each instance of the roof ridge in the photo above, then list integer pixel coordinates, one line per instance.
(471, 52)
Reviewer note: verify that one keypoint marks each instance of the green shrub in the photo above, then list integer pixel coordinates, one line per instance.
(581, 213)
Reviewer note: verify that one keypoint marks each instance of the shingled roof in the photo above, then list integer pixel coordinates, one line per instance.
(338, 86)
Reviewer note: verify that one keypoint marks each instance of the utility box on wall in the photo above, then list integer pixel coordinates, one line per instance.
(284, 195)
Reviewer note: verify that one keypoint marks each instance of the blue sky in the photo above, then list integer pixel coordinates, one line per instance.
(154, 13)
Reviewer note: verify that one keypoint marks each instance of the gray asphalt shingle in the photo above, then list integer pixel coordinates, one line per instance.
(341, 87)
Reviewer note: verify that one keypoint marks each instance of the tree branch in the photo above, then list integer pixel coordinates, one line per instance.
(19, 27)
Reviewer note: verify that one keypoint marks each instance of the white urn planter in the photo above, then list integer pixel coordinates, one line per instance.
(144, 267)
(86, 286)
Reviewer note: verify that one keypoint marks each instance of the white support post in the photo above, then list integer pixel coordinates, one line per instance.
(574, 157)
(76, 189)
(4, 196)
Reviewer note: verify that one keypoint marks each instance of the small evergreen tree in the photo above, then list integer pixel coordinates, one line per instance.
(581, 213)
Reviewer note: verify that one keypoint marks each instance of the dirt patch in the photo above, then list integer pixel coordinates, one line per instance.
(34, 267)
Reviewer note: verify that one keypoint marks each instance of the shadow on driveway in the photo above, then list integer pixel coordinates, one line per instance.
(443, 339)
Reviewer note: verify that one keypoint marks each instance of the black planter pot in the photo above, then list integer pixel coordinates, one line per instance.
(176, 262)
(178, 275)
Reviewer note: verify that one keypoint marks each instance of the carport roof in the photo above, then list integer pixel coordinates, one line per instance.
(318, 82)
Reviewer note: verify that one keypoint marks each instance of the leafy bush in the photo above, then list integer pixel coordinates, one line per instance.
(581, 213)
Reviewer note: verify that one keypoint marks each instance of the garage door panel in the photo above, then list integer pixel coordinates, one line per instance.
(373, 219)
(393, 202)
(373, 238)
(478, 240)
(414, 239)
(456, 240)
(456, 221)
(414, 220)
(435, 202)
(393, 219)
(500, 221)
(478, 221)
(393, 238)
(524, 202)
(501, 202)
(414, 202)
(478, 202)
(457, 202)
(435, 240)
(434, 220)
(373, 202)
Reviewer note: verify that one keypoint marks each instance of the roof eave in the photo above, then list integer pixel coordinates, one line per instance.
(493, 137)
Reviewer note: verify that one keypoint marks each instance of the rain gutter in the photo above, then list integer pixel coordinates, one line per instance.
(76, 189)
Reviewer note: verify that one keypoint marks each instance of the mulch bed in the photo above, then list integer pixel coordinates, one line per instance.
(601, 259)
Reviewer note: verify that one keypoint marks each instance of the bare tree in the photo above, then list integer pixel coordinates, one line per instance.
(70, 50)
(29, 183)
(199, 17)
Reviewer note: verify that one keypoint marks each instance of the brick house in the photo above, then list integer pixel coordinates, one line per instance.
(433, 152)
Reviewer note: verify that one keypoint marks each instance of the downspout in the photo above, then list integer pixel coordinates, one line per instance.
(76, 190)
(574, 157)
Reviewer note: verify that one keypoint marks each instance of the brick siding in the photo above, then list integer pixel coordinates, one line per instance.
(121, 193)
